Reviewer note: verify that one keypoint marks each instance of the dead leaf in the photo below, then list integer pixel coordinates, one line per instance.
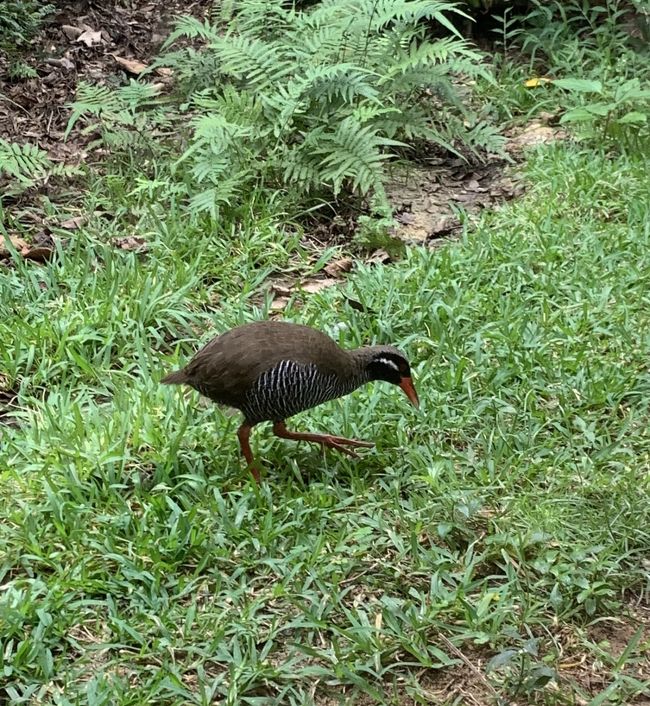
(73, 223)
(39, 254)
(405, 218)
(70, 31)
(164, 71)
(534, 134)
(443, 226)
(89, 37)
(379, 257)
(550, 118)
(316, 285)
(282, 288)
(131, 243)
(473, 185)
(19, 244)
(338, 267)
(62, 63)
(133, 66)
(279, 304)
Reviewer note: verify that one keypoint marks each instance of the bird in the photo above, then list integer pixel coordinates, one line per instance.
(271, 370)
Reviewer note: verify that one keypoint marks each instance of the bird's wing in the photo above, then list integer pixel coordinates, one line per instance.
(229, 365)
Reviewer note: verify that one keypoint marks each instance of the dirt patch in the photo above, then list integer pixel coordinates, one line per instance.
(590, 657)
(430, 202)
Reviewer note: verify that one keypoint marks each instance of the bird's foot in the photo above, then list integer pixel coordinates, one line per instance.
(340, 443)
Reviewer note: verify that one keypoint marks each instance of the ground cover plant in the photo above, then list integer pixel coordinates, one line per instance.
(492, 549)
(306, 102)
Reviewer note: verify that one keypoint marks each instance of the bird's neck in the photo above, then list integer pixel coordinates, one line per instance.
(358, 367)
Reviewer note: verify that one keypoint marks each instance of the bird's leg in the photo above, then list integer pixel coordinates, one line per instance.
(244, 433)
(334, 442)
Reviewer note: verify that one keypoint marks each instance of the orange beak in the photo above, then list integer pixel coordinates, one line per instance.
(407, 385)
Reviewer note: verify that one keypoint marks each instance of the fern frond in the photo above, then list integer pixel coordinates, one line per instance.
(91, 100)
(137, 94)
(221, 12)
(189, 27)
(354, 152)
(27, 163)
(345, 81)
(485, 137)
(211, 199)
(270, 19)
(318, 41)
(428, 54)
(257, 62)
(214, 135)
(236, 106)
(376, 15)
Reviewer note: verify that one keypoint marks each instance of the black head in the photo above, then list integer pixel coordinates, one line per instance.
(390, 365)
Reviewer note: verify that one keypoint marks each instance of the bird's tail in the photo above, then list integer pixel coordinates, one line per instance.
(177, 377)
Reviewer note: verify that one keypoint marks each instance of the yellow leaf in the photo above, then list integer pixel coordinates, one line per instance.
(534, 82)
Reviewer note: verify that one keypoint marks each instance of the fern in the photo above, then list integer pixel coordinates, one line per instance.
(427, 55)
(188, 27)
(91, 100)
(308, 101)
(354, 152)
(20, 20)
(376, 15)
(28, 165)
(129, 117)
(343, 82)
(252, 60)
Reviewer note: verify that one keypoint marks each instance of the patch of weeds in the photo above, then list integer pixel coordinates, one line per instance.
(522, 669)
(580, 63)
(618, 111)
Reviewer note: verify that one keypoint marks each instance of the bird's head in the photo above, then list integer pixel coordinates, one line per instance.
(389, 364)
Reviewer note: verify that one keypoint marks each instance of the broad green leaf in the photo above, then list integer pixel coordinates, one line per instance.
(501, 660)
(633, 118)
(577, 115)
(579, 85)
(600, 109)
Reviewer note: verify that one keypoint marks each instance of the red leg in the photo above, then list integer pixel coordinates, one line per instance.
(333, 442)
(244, 433)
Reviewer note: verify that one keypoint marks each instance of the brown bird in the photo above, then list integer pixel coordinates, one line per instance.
(271, 370)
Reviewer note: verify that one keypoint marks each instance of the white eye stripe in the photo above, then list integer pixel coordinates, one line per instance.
(389, 363)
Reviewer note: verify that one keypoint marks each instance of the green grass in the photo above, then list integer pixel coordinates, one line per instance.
(491, 549)
(139, 564)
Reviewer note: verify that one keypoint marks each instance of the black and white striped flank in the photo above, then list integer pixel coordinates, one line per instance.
(290, 387)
